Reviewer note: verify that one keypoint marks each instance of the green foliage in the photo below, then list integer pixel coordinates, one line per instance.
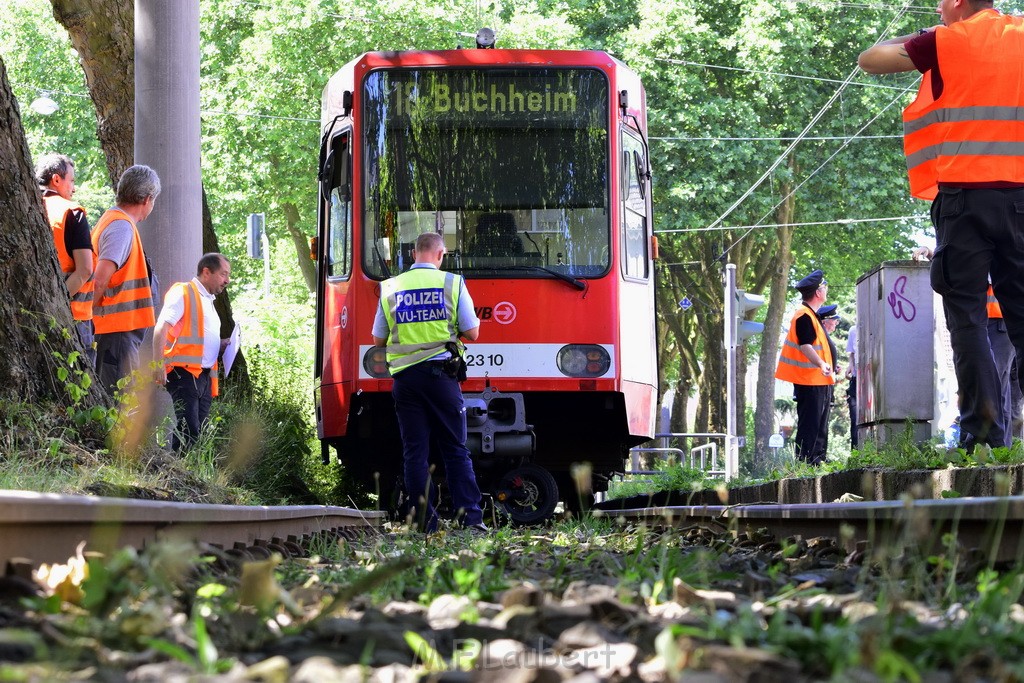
(669, 477)
(76, 378)
(40, 60)
(265, 444)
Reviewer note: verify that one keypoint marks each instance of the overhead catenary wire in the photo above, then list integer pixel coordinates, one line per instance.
(686, 62)
(217, 112)
(782, 139)
(785, 154)
(816, 170)
(911, 9)
(835, 221)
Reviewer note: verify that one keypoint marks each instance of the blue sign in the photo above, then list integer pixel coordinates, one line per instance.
(420, 306)
(685, 304)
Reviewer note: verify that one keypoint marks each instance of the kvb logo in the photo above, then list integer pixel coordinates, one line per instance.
(504, 312)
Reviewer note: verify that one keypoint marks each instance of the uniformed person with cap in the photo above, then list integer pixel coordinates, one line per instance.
(807, 361)
(829, 318)
(422, 313)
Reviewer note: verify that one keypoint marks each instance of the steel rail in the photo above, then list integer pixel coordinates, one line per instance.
(47, 527)
(993, 525)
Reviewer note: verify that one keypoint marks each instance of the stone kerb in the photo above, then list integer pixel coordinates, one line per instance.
(870, 484)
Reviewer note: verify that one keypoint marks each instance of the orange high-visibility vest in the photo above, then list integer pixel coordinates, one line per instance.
(57, 209)
(974, 132)
(128, 304)
(793, 364)
(184, 346)
(992, 305)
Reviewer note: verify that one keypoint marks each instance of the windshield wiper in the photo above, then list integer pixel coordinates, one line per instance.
(568, 279)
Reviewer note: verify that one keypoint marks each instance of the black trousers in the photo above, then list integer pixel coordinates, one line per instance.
(979, 232)
(432, 415)
(192, 397)
(1003, 355)
(812, 408)
(117, 356)
(851, 401)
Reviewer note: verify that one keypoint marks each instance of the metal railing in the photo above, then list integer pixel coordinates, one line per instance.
(707, 464)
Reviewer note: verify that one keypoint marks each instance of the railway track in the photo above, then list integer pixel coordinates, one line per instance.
(45, 527)
(993, 525)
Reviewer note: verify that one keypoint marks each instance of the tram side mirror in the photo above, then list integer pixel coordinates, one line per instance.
(325, 175)
(641, 172)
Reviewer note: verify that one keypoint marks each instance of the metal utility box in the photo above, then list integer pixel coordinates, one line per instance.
(903, 362)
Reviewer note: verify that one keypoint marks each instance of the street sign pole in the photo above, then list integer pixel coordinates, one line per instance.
(732, 453)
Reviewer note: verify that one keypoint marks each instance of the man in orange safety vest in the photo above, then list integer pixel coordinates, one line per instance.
(806, 361)
(55, 174)
(125, 286)
(187, 339)
(963, 149)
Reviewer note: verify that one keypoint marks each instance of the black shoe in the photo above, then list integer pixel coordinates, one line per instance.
(968, 442)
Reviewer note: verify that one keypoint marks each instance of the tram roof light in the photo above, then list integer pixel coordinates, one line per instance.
(485, 38)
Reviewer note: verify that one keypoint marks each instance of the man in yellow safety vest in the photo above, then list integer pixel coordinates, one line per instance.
(422, 313)
(187, 338)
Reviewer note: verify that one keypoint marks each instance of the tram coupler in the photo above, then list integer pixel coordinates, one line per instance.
(496, 426)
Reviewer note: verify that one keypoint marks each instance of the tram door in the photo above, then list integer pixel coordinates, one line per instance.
(638, 347)
(336, 329)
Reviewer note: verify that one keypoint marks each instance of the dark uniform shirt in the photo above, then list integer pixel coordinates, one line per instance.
(805, 333)
(76, 231)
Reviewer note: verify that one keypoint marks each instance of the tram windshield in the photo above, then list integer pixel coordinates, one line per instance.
(509, 165)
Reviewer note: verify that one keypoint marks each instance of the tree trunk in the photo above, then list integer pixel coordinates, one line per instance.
(36, 306)
(103, 33)
(764, 412)
(301, 242)
(239, 377)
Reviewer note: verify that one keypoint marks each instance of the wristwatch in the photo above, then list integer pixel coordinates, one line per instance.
(922, 31)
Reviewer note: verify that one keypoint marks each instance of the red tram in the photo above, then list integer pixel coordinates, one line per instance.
(534, 166)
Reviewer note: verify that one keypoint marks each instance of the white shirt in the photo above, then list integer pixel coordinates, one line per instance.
(174, 310)
(851, 347)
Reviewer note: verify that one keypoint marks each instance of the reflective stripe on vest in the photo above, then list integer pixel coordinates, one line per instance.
(973, 133)
(992, 305)
(421, 307)
(184, 346)
(793, 364)
(128, 301)
(57, 209)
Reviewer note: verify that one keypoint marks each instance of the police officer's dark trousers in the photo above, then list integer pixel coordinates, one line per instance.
(192, 397)
(979, 232)
(851, 401)
(811, 420)
(431, 409)
(1003, 355)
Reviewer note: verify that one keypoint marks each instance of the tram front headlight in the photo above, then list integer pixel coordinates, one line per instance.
(375, 362)
(583, 360)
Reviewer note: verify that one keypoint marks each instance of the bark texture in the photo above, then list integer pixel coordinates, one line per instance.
(301, 243)
(103, 33)
(35, 307)
(764, 411)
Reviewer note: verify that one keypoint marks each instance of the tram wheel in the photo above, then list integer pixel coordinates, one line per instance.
(528, 494)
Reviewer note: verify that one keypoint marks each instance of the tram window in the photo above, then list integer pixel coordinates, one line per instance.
(634, 209)
(339, 261)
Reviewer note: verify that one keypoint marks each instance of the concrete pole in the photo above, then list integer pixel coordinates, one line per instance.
(167, 133)
(731, 443)
(167, 140)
